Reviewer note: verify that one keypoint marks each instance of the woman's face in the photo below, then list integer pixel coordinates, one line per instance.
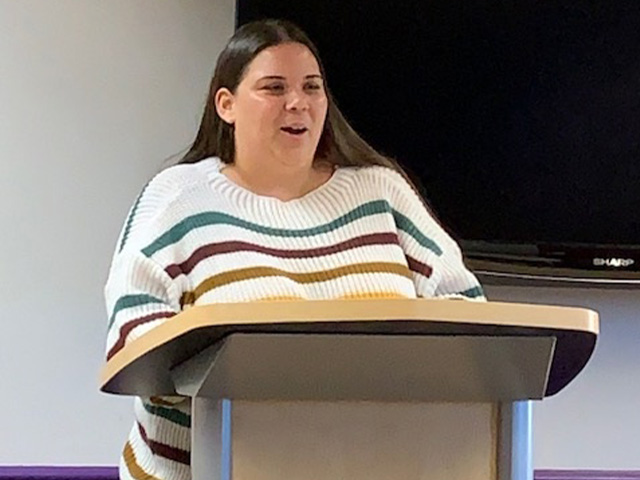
(279, 107)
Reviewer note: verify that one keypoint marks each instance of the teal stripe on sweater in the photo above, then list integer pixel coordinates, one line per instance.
(408, 226)
(128, 301)
(171, 414)
(474, 292)
(193, 222)
(177, 232)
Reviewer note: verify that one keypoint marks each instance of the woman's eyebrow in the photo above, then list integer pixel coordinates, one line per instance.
(280, 77)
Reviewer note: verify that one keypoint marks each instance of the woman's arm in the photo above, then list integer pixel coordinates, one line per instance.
(433, 256)
(139, 294)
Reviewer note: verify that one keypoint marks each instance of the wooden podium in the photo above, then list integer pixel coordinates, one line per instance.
(409, 389)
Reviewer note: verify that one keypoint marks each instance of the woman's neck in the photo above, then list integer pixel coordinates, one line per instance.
(285, 182)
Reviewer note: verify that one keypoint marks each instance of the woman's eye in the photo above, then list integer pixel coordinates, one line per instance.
(281, 88)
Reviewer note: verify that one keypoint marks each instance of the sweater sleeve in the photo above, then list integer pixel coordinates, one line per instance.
(140, 295)
(434, 258)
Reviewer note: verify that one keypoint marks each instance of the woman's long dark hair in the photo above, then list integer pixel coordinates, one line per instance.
(339, 144)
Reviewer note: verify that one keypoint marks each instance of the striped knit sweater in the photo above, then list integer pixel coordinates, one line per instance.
(194, 237)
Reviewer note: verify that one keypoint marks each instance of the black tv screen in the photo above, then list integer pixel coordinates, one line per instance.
(520, 120)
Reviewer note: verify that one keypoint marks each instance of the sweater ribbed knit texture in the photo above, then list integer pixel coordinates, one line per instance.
(193, 237)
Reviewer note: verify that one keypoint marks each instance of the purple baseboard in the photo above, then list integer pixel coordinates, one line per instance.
(111, 473)
(587, 475)
(24, 472)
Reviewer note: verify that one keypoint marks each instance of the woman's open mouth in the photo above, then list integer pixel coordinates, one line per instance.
(294, 131)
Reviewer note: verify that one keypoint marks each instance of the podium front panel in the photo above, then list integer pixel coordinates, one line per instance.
(354, 440)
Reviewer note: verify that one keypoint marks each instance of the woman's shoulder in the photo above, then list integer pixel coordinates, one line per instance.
(174, 181)
(381, 178)
(182, 175)
(166, 189)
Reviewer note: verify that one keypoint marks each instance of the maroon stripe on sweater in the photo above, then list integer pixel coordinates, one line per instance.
(127, 327)
(419, 267)
(164, 450)
(227, 247)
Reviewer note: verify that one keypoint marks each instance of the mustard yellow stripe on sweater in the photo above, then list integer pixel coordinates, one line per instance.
(135, 470)
(371, 295)
(309, 277)
(280, 298)
(348, 296)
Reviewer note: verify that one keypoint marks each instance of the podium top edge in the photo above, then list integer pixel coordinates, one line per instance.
(452, 311)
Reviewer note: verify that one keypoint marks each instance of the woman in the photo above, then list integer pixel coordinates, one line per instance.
(278, 198)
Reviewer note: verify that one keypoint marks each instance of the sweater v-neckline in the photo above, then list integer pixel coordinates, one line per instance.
(248, 194)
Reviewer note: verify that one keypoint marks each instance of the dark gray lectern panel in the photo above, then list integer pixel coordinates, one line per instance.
(369, 367)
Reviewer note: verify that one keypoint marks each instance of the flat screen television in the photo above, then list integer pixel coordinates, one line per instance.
(519, 119)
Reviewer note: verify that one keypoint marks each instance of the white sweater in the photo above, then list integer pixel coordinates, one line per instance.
(194, 237)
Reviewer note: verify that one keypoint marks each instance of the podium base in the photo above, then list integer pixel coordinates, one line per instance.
(356, 441)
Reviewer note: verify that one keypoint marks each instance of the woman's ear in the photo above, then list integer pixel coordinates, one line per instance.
(224, 102)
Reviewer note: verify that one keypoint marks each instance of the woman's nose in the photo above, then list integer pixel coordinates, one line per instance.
(297, 101)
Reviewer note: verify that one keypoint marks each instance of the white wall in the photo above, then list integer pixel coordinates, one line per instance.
(94, 96)
(594, 422)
